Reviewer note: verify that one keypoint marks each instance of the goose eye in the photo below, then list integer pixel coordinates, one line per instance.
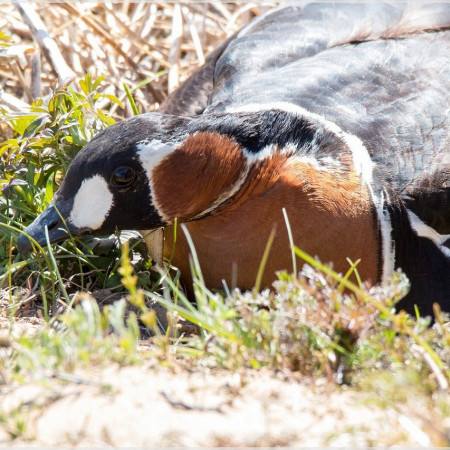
(123, 176)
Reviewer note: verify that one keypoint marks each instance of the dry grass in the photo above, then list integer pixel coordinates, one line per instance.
(157, 44)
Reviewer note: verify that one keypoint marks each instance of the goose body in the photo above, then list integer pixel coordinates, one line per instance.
(338, 113)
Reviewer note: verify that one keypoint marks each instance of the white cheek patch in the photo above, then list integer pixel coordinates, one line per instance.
(92, 203)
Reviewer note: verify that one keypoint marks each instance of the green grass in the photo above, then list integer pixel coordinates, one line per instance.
(316, 324)
(33, 162)
(84, 336)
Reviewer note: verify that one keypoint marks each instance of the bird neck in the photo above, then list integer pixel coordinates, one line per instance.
(220, 153)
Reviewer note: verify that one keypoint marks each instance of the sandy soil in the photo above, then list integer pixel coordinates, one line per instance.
(143, 406)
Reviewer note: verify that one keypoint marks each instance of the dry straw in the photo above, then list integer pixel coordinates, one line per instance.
(154, 45)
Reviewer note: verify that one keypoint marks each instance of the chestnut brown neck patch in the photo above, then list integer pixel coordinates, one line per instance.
(200, 172)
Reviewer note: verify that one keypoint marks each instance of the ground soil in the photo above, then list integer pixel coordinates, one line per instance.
(149, 406)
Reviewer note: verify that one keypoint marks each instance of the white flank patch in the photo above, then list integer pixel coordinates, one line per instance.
(423, 230)
(151, 153)
(92, 203)
(363, 166)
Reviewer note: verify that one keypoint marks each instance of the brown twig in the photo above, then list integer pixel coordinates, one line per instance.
(127, 42)
(12, 103)
(174, 52)
(114, 44)
(194, 34)
(99, 30)
(429, 361)
(35, 85)
(16, 69)
(148, 21)
(46, 42)
(181, 405)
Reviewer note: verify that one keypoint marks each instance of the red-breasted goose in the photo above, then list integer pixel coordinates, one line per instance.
(337, 112)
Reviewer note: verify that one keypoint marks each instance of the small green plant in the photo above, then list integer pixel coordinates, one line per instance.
(136, 295)
(15, 422)
(314, 323)
(46, 138)
(85, 335)
(4, 39)
(33, 163)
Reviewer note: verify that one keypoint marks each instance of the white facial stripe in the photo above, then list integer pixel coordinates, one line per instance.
(151, 153)
(266, 152)
(362, 163)
(423, 230)
(92, 203)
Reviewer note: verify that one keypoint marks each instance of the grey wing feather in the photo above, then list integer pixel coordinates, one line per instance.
(379, 71)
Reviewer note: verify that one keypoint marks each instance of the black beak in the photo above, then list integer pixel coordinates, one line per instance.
(52, 218)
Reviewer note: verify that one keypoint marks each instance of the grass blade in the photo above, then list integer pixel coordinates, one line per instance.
(131, 99)
(291, 241)
(55, 268)
(358, 291)
(263, 262)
